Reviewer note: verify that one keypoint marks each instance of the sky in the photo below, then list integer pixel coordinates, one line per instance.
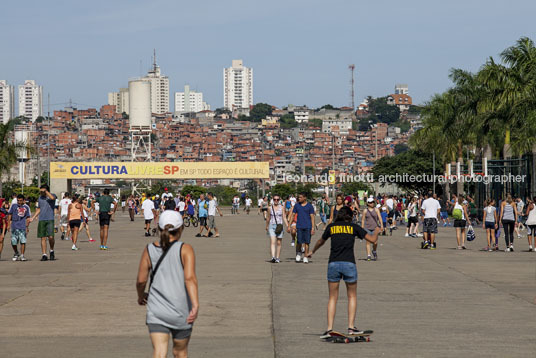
(299, 49)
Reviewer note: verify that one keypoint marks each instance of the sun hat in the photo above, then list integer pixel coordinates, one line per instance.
(370, 200)
(170, 217)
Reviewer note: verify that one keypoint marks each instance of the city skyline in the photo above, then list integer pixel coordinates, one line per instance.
(302, 60)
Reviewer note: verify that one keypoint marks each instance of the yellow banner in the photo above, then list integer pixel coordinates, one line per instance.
(160, 170)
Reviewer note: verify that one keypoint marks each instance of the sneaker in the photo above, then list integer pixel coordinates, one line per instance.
(15, 257)
(445, 224)
(101, 247)
(292, 243)
(52, 256)
(412, 235)
(326, 334)
(305, 260)
(433, 246)
(63, 236)
(490, 249)
(419, 235)
(277, 260)
(44, 258)
(198, 235)
(425, 245)
(105, 247)
(91, 239)
(210, 234)
(459, 248)
(512, 248)
(272, 260)
(74, 248)
(375, 254)
(406, 235)
(530, 248)
(22, 258)
(507, 249)
(298, 258)
(354, 331)
(463, 247)
(369, 258)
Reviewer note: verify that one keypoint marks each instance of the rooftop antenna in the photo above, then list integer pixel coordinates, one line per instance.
(352, 96)
(154, 59)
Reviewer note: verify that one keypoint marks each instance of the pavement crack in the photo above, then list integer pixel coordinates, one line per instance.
(15, 298)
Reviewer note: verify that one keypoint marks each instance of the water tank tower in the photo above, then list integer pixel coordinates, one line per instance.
(140, 117)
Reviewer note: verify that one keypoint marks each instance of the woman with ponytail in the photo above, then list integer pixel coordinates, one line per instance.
(172, 300)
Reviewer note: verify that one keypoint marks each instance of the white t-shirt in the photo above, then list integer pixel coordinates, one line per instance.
(248, 202)
(458, 206)
(236, 201)
(390, 203)
(182, 205)
(64, 206)
(259, 202)
(430, 207)
(14, 201)
(293, 200)
(212, 207)
(148, 207)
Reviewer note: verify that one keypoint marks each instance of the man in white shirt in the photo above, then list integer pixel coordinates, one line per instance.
(248, 204)
(64, 209)
(212, 208)
(259, 204)
(149, 212)
(430, 208)
(182, 206)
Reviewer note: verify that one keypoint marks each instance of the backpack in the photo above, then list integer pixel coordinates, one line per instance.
(457, 214)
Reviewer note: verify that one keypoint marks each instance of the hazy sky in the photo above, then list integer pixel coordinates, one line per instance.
(299, 49)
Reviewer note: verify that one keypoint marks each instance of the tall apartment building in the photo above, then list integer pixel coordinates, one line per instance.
(189, 101)
(30, 100)
(159, 89)
(119, 100)
(7, 102)
(237, 86)
(401, 88)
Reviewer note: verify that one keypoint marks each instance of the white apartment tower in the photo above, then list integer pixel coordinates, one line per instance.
(237, 86)
(401, 88)
(189, 101)
(30, 100)
(7, 102)
(119, 100)
(159, 89)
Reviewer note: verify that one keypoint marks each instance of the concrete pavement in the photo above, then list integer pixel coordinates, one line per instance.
(420, 303)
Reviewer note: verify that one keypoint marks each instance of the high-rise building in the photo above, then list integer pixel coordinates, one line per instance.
(159, 89)
(401, 88)
(7, 102)
(237, 86)
(189, 101)
(30, 100)
(119, 100)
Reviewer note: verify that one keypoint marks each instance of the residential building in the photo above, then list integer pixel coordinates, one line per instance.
(401, 88)
(341, 125)
(189, 101)
(30, 100)
(119, 100)
(7, 102)
(237, 86)
(402, 101)
(301, 114)
(159, 89)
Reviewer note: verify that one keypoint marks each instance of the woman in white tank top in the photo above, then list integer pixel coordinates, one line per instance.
(531, 223)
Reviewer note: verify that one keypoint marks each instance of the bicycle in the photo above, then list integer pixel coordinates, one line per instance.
(190, 220)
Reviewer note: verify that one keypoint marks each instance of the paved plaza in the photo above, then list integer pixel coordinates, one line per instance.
(420, 303)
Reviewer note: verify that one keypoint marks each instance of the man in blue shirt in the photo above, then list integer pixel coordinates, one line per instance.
(305, 226)
(19, 218)
(203, 214)
(46, 206)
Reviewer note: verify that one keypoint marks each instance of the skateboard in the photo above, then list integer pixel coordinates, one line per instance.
(338, 337)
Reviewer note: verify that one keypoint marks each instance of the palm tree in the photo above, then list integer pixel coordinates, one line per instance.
(8, 148)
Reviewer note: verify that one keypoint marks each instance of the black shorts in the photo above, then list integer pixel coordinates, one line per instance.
(75, 223)
(265, 209)
(148, 221)
(412, 220)
(430, 225)
(203, 221)
(104, 219)
(460, 223)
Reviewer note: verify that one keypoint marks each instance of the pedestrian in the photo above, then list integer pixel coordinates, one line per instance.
(508, 220)
(305, 226)
(172, 299)
(203, 215)
(530, 213)
(264, 207)
(339, 203)
(413, 221)
(123, 203)
(212, 208)
(131, 207)
(520, 205)
(370, 220)
(323, 210)
(149, 213)
(4, 213)
(104, 203)
(490, 222)
(431, 208)
(274, 228)
(473, 211)
(247, 204)
(46, 204)
(74, 215)
(19, 217)
(460, 215)
(86, 215)
(341, 264)
(64, 220)
(444, 211)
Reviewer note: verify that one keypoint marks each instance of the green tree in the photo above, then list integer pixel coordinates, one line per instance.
(288, 121)
(9, 148)
(260, 111)
(193, 190)
(224, 194)
(220, 111)
(401, 148)
(283, 190)
(44, 179)
(351, 188)
(315, 122)
(307, 188)
(382, 111)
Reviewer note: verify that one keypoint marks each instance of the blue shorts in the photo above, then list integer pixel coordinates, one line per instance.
(271, 231)
(18, 236)
(323, 218)
(489, 225)
(444, 215)
(342, 269)
(304, 236)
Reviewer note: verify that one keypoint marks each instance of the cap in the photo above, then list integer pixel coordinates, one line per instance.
(157, 196)
(370, 200)
(170, 217)
(378, 206)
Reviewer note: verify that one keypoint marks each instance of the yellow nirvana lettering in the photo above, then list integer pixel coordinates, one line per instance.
(338, 229)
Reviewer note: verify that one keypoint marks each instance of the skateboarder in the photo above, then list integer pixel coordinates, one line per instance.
(342, 264)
